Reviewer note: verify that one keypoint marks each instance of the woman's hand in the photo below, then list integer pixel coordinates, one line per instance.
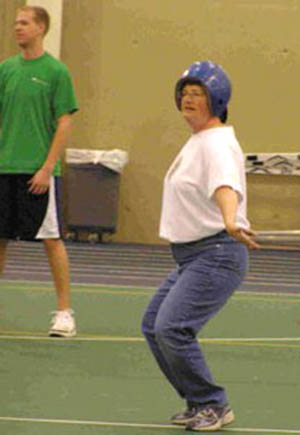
(245, 236)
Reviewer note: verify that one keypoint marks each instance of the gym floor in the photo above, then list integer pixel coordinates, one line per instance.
(105, 380)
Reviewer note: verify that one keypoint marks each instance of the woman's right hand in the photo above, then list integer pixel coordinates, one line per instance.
(245, 236)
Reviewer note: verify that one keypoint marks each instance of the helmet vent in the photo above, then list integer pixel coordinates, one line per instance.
(215, 81)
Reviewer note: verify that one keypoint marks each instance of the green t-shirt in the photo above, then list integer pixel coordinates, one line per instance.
(33, 95)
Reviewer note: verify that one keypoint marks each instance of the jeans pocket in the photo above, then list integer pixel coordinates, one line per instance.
(232, 256)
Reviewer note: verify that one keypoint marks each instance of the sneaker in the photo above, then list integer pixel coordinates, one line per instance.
(62, 324)
(211, 418)
(182, 418)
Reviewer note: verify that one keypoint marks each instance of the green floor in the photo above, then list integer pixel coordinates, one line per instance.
(105, 381)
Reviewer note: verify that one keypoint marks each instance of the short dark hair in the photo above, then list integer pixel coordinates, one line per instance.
(40, 15)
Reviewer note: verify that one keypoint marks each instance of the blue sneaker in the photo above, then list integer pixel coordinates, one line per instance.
(182, 418)
(210, 419)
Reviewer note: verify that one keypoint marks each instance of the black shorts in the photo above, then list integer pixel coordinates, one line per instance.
(28, 216)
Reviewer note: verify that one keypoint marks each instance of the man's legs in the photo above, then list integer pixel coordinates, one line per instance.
(59, 264)
(63, 323)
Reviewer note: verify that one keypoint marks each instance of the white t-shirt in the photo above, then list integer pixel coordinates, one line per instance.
(210, 159)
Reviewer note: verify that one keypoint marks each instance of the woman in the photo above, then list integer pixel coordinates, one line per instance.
(204, 219)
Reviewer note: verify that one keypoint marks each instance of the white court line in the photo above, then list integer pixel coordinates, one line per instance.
(255, 281)
(137, 425)
(14, 336)
(87, 339)
(112, 286)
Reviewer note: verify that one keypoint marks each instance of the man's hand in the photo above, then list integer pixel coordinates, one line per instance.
(242, 235)
(39, 183)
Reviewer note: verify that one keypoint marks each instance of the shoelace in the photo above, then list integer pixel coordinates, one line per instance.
(206, 413)
(64, 313)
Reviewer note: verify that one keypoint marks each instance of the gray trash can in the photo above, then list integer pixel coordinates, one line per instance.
(92, 197)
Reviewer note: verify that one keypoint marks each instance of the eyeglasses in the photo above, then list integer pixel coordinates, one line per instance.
(193, 94)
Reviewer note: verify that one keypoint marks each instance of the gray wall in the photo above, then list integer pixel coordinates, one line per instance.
(7, 18)
(125, 57)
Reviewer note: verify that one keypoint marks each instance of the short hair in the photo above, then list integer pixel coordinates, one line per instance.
(40, 15)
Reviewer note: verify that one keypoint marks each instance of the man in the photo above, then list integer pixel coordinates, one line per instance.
(36, 105)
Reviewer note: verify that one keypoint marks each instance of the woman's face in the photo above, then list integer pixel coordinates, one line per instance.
(195, 106)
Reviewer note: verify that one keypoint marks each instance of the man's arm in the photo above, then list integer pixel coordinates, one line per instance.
(227, 199)
(39, 183)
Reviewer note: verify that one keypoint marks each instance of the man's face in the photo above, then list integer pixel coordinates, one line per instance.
(27, 30)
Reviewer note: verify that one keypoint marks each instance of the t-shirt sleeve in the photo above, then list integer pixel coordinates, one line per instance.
(64, 100)
(223, 169)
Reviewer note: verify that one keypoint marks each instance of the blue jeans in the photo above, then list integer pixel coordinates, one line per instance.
(208, 272)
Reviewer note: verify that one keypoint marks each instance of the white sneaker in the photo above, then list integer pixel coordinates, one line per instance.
(62, 324)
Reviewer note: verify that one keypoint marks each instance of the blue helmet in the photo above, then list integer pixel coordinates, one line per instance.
(215, 81)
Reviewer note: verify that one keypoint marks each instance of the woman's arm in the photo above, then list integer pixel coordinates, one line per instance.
(227, 200)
